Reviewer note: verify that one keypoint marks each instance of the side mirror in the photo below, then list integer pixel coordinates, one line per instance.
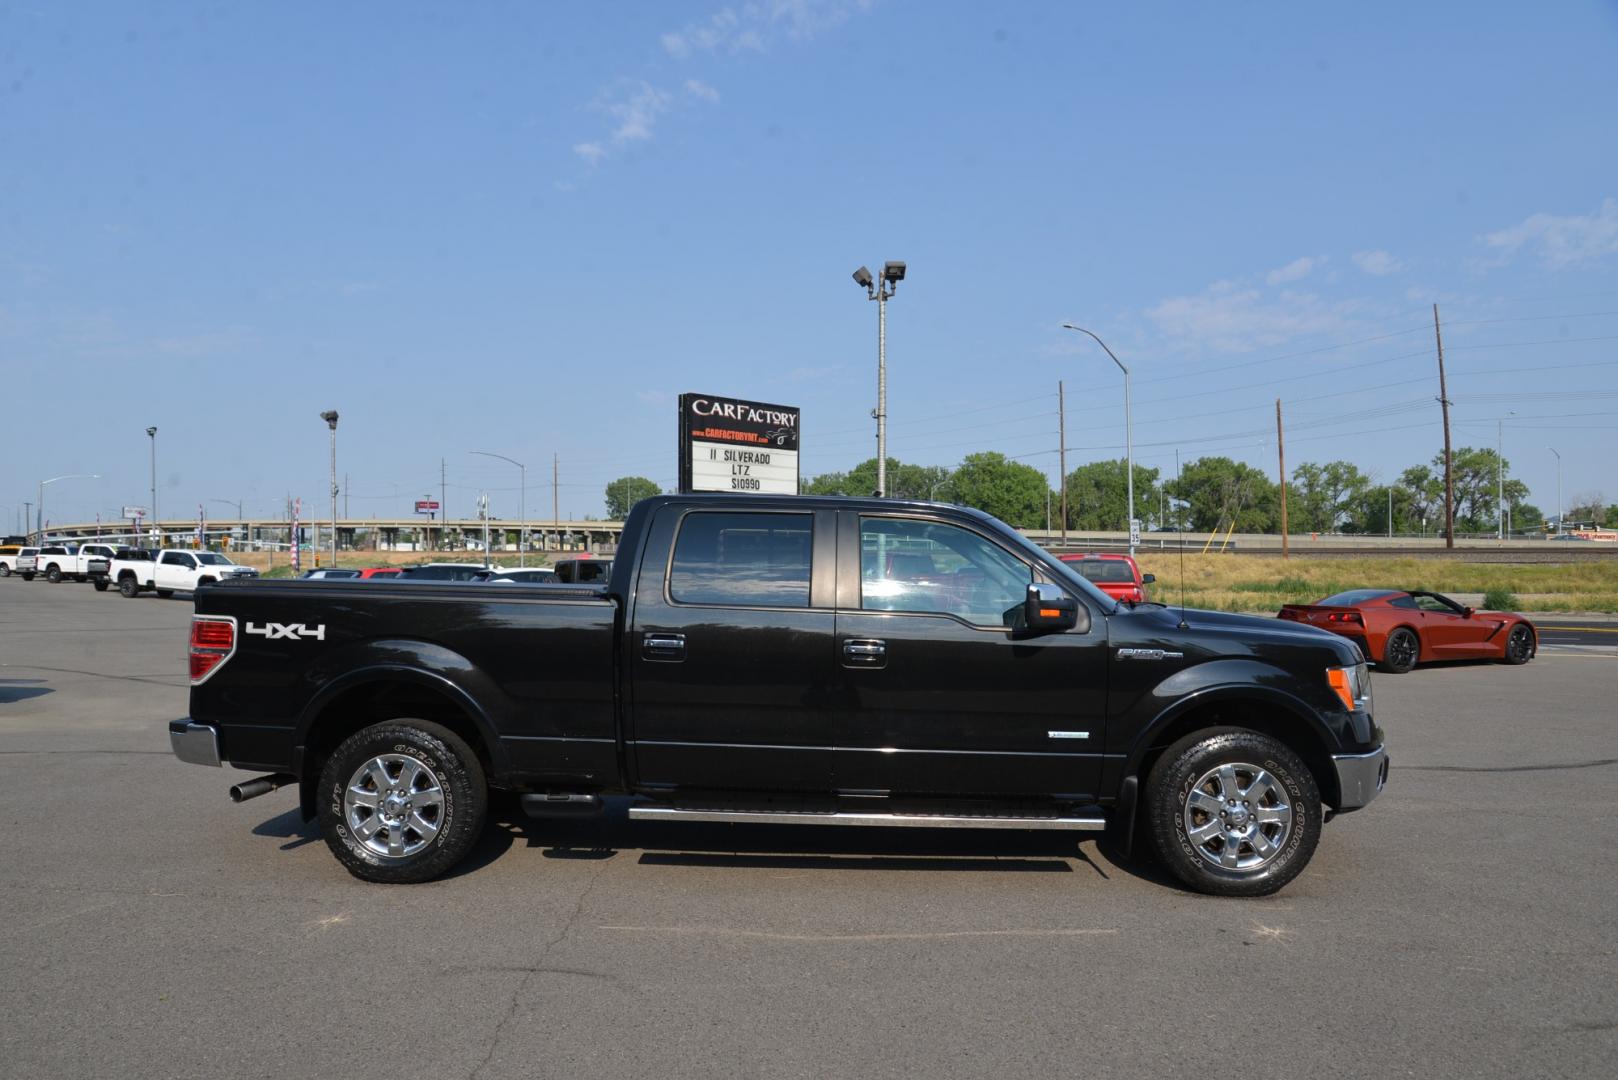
(1049, 609)
(1466, 613)
(1147, 579)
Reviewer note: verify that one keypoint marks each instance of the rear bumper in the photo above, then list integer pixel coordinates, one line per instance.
(1361, 777)
(196, 744)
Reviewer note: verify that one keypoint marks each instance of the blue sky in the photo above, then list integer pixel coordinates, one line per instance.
(526, 228)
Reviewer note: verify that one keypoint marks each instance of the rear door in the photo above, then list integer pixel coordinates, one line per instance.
(940, 695)
(730, 654)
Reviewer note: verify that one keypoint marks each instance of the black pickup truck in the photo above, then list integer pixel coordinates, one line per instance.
(788, 661)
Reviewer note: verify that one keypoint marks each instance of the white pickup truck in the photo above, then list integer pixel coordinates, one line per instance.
(81, 562)
(172, 571)
(18, 559)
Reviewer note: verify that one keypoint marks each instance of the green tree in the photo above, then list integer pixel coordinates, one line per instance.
(1213, 488)
(1097, 492)
(1588, 510)
(1327, 494)
(625, 492)
(1424, 490)
(1011, 491)
(904, 481)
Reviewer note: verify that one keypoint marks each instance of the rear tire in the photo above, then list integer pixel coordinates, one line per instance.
(402, 801)
(1400, 651)
(165, 593)
(1520, 645)
(128, 587)
(53, 575)
(5, 570)
(101, 584)
(28, 576)
(1233, 812)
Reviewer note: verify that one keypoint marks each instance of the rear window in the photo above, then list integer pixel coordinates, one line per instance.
(1112, 571)
(745, 560)
(1354, 596)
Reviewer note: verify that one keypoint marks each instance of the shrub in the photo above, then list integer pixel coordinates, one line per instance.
(1499, 598)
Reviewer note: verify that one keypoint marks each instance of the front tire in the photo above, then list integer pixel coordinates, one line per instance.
(1520, 645)
(1400, 651)
(402, 802)
(5, 570)
(1233, 812)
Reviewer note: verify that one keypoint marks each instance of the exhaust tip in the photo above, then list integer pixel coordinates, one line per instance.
(262, 785)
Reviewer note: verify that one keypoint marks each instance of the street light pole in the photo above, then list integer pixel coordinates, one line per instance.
(1129, 434)
(151, 433)
(1500, 474)
(522, 505)
(881, 291)
(330, 416)
(1558, 454)
(40, 505)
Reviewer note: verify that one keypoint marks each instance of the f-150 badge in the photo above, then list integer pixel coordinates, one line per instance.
(275, 631)
(1149, 654)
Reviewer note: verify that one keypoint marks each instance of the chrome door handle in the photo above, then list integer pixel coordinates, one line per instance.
(665, 647)
(865, 652)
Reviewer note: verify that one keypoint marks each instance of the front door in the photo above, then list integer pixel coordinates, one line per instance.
(730, 654)
(174, 571)
(941, 696)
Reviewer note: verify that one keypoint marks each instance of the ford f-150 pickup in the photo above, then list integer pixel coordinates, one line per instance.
(788, 660)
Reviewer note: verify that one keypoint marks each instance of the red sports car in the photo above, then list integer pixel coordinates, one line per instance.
(1398, 630)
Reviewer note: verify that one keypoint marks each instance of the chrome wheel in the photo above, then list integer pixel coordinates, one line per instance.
(394, 805)
(1237, 817)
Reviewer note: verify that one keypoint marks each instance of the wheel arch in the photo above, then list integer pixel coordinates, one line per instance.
(1267, 711)
(370, 695)
(1421, 644)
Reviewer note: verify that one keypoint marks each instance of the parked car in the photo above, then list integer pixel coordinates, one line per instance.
(1398, 630)
(370, 572)
(69, 560)
(18, 559)
(790, 660)
(1118, 576)
(328, 573)
(522, 576)
(173, 570)
(582, 570)
(441, 572)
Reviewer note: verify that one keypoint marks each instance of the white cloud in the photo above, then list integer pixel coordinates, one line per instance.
(1378, 263)
(1234, 317)
(754, 26)
(1296, 270)
(1559, 241)
(591, 152)
(702, 91)
(637, 112)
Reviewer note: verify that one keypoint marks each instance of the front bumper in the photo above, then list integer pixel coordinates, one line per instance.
(1361, 777)
(196, 744)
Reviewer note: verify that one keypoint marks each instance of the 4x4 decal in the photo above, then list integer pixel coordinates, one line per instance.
(274, 631)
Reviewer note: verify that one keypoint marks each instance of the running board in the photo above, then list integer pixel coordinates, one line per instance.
(811, 817)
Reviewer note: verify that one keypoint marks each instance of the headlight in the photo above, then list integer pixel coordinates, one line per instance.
(1353, 685)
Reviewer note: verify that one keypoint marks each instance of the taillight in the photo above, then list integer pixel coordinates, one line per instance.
(213, 640)
(1345, 617)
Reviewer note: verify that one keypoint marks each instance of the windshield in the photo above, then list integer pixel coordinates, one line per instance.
(209, 558)
(1353, 596)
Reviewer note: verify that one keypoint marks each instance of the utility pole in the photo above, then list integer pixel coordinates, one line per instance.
(1061, 433)
(28, 517)
(1390, 511)
(1281, 453)
(1558, 454)
(1449, 458)
(556, 498)
(443, 505)
(345, 497)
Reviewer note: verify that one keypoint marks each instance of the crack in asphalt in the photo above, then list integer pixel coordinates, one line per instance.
(152, 679)
(1509, 768)
(537, 968)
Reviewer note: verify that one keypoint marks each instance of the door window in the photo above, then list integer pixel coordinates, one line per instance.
(746, 560)
(1434, 604)
(177, 558)
(928, 566)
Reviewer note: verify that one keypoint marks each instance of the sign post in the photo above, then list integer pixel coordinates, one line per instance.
(135, 514)
(297, 549)
(428, 507)
(731, 445)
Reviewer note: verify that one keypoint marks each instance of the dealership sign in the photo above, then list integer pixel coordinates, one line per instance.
(732, 445)
(426, 506)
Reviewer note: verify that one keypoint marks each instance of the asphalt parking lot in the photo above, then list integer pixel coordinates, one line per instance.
(1463, 925)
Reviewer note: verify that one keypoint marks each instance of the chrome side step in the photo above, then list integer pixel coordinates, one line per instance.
(838, 817)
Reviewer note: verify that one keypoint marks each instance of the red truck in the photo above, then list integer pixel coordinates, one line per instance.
(1116, 575)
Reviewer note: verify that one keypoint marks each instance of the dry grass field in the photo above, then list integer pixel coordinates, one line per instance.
(1265, 582)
